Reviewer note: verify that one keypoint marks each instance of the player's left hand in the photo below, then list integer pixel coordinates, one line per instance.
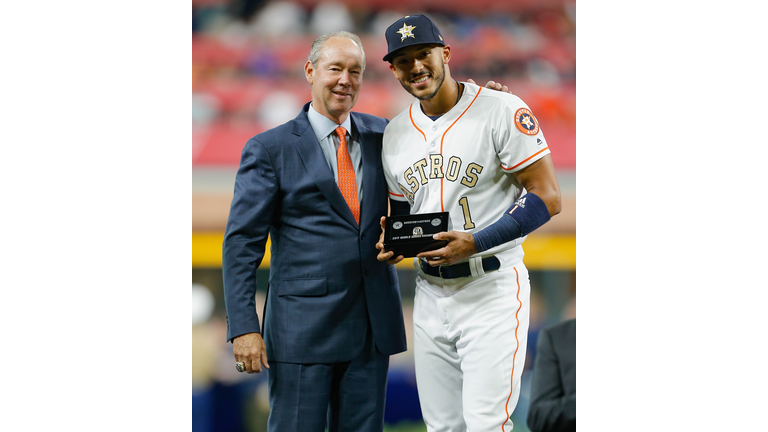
(460, 246)
(493, 85)
(383, 255)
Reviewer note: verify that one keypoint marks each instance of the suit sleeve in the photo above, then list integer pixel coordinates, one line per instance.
(394, 189)
(253, 206)
(550, 409)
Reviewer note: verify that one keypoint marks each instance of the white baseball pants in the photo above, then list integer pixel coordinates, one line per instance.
(469, 348)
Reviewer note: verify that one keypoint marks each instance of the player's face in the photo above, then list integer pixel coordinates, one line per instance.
(421, 69)
(336, 79)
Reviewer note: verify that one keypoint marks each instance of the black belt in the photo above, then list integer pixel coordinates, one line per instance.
(458, 270)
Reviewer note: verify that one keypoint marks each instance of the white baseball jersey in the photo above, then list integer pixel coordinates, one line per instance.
(462, 162)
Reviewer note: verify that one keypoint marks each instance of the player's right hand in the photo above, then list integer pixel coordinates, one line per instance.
(250, 349)
(385, 255)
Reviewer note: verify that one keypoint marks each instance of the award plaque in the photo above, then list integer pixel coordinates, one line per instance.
(409, 235)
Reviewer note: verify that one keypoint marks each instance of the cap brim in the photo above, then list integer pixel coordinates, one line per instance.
(388, 57)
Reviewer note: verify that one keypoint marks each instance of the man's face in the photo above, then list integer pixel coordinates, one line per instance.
(421, 69)
(336, 79)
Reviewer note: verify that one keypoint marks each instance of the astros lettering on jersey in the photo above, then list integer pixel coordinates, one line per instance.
(461, 163)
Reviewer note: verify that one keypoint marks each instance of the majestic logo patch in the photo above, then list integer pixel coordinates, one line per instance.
(406, 31)
(526, 122)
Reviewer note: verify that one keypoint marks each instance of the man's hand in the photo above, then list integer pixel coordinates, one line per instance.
(493, 85)
(460, 246)
(250, 349)
(385, 256)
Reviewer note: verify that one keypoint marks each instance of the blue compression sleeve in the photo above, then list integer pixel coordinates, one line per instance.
(528, 213)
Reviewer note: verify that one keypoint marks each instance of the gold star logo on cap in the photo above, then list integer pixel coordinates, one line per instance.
(406, 31)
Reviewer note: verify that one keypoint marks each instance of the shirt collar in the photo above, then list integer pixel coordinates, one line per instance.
(323, 126)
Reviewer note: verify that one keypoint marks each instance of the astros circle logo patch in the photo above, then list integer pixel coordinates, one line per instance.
(526, 122)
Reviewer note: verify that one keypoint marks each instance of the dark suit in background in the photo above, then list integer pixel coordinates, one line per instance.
(333, 314)
(553, 387)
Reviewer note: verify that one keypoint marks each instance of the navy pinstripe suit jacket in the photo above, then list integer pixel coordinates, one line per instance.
(325, 283)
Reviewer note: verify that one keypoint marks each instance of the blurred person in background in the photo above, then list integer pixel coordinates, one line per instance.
(333, 314)
(482, 157)
(553, 387)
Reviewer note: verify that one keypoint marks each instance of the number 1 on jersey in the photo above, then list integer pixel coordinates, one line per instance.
(464, 203)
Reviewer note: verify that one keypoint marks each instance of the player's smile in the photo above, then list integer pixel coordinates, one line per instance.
(421, 81)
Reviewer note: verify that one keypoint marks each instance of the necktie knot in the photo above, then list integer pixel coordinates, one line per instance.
(342, 133)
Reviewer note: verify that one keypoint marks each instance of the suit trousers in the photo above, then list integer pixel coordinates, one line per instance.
(344, 397)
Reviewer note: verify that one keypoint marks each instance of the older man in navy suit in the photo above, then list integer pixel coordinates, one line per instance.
(333, 314)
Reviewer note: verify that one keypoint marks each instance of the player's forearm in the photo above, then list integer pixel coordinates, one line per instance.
(540, 179)
(526, 215)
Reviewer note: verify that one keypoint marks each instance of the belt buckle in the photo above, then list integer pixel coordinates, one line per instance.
(440, 271)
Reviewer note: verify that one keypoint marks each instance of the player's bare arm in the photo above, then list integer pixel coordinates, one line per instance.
(250, 349)
(539, 178)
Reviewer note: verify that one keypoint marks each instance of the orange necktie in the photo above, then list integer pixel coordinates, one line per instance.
(347, 182)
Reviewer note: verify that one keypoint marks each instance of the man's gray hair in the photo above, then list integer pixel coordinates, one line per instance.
(317, 45)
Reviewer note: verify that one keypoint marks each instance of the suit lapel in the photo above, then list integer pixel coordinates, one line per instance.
(317, 167)
(370, 168)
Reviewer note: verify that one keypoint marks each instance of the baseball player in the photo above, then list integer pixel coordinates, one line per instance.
(481, 156)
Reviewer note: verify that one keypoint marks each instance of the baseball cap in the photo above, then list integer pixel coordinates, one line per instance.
(411, 30)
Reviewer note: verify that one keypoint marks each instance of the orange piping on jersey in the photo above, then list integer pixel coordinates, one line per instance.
(392, 193)
(517, 342)
(442, 208)
(524, 161)
(414, 123)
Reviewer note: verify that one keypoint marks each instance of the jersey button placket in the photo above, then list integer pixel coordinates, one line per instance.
(430, 142)
(432, 148)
